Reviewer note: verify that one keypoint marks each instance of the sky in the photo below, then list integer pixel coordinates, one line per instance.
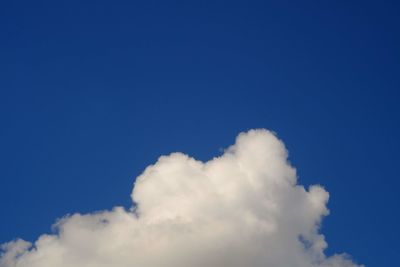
(92, 93)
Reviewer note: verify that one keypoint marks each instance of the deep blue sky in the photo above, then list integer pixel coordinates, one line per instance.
(93, 92)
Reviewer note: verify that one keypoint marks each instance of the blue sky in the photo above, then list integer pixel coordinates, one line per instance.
(91, 93)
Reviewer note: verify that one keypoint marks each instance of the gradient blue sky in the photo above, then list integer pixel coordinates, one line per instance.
(92, 92)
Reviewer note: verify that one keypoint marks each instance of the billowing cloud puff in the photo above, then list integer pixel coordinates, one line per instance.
(242, 209)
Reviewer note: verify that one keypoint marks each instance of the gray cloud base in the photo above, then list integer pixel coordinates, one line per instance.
(242, 209)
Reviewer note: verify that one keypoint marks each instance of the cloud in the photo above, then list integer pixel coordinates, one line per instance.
(242, 209)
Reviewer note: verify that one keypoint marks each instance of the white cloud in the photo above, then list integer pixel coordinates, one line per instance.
(242, 209)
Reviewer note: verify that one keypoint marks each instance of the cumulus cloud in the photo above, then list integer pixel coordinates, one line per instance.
(242, 209)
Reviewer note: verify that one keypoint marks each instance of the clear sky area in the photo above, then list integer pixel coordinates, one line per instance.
(93, 92)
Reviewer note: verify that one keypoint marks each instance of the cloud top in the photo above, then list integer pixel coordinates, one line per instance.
(243, 208)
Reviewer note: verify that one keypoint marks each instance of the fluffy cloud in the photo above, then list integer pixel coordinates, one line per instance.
(243, 208)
